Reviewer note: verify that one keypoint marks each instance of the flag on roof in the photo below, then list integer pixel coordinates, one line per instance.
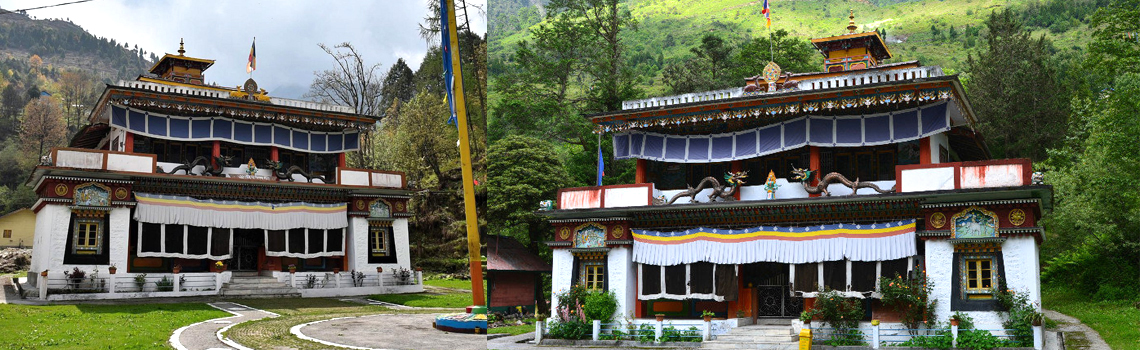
(448, 70)
(767, 14)
(252, 65)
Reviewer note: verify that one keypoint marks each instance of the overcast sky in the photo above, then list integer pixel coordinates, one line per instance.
(287, 32)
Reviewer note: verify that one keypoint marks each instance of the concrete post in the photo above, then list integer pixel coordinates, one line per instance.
(177, 284)
(658, 330)
(874, 334)
(539, 329)
(1038, 338)
(293, 280)
(43, 287)
(337, 277)
(706, 332)
(954, 333)
(597, 329)
(218, 282)
(111, 281)
(420, 277)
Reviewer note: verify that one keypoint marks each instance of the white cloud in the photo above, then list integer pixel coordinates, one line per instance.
(287, 32)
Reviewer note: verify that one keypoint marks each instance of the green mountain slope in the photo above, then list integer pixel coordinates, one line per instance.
(63, 45)
(667, 29)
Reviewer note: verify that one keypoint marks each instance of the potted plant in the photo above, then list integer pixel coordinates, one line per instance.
(419, 269)
(221, 266)
(112, 269)
(292, 268)
(1036, 318)
(806, 317)
(707, 315)
(177, 269)
(43, 273)
(336, 270)
(954, 320)
(379, 269)
(659, 317)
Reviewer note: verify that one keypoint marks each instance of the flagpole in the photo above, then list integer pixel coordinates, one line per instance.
(474, 259)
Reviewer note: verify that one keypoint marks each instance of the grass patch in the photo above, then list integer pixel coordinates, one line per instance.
(146, 326)
(273, 333)
(512, 330)
(1118, 322)
(450, 283)
(454, 300)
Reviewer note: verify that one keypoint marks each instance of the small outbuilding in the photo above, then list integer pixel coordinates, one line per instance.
(514, 276)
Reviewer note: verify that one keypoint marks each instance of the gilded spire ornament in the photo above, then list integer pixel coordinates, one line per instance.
(181, 47)
(851, 25)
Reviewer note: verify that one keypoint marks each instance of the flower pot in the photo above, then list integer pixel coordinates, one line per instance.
(954, 322)
(336, 270)
(419, 269)
(659, 317)
(112, 270)
(379, 269)
(43, 273)
(177, 269)
(707, 318)
(292, 270)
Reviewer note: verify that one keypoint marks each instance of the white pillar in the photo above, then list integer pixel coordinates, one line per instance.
(954, 335)
(336, 276)
(177, 284)
(819, 275)
(707, 331)
(657, 331)
(218, 282)
(597, 329)
(420, 277)
(1038, 338)
(848, 268)
(875, 335)
(292, 279)
(111, 283)
(43, 287)
(539, 328)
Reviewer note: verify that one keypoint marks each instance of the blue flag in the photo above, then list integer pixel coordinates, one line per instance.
(601, 165)
(448, 75)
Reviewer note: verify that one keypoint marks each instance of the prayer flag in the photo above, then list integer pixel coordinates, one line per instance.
(767, 14)
(252, 65)
(601, 165)
(448, 70)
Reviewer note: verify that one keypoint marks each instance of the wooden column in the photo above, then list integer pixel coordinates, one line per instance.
(639, 176)
(814, 164)
(924, 151)
(340, 161)
(129, 143)
(273, 154)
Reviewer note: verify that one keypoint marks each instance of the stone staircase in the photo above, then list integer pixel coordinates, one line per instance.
(767, 334)
(251, 285)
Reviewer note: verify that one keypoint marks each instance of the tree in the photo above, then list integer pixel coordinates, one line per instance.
(352, 83)
(76, 88)
(522, 171)
(11, 103)
(398, 85)
(792, 54)
(1015, 91)
(1115, 47)
(608, 80)
(41, 127)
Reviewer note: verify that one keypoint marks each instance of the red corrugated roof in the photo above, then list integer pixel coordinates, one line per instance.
(507, 254)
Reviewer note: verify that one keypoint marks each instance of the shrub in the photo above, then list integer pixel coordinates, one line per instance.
(570, 329)
(165, 285)
(1020, 314)
(842, 314)
(910, 297)
(671, 334)
(600, 305)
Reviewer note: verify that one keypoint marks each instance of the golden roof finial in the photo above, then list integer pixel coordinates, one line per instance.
(851, 25)
(181, 47)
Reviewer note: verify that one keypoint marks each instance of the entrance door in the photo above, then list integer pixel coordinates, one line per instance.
(246, 245)
(771, 296)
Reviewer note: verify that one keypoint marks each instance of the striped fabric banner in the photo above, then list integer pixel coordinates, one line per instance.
(164, 209)
(783, 244)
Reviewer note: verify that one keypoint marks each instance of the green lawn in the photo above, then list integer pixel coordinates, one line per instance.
(1118, 322)
(145, 326)
(451, 283)
(514, 330)
(454, 300)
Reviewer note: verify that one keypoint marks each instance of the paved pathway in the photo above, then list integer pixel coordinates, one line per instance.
(406, 331)
(1078, 336)
(206, 335)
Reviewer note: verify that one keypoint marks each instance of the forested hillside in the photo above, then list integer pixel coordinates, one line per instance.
(937, 32)
(51, 72)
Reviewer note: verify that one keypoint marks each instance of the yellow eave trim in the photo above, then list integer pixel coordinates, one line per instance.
(188, 58)
(856, 35)
(174, 83)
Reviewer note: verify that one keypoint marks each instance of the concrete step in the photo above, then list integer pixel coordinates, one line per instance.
(263, 280)
(259, 292)
(763, 330)
(755, 345)
(774, 321)
(765, 338)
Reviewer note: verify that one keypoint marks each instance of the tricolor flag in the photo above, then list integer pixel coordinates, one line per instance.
(252, 65)
(767, 14)
(601, 165)
(448, 75)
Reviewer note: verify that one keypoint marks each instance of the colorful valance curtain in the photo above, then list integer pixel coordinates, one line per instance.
(232, 130)
(782, 244)
(304, 243)
(165, 209)
(823, 131)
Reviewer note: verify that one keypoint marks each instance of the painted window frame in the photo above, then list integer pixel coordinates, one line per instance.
(971, 263)
(378, 244)
(87, 248)
(7, 233)
(599, 274)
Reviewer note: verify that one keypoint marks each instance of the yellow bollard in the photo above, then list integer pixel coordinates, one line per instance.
(805, 338)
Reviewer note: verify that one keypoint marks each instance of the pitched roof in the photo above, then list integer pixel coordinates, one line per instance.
(506, 254)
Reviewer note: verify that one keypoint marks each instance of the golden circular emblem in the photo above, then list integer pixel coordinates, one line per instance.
(564, 233)
(938, 220)
(399, 206)
(121, 193)
(61, 190)
(359, 204)
(1016, 217)
(617, 231)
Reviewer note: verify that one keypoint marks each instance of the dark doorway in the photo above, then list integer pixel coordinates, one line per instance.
(246, 245)
(771, 290)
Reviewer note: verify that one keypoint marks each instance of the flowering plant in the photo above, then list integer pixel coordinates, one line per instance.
(910, 297)
(220, 264)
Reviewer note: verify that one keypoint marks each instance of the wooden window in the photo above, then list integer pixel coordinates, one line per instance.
(88, 236)
(378, 240)
(593, 275)
(979, 278)
(7, 233)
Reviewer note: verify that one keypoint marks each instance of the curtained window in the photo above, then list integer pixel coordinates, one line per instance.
(181, 241)
(700, 280)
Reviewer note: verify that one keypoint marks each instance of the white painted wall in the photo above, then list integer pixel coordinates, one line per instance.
(561, 277)
(627, 197)
(930, 179)
(1022, 273)
(358, 247)
(621, 272)
(939, 269)
(992, 176)
(52, 223)
(1023, 266)
(46, 220)
(937, 140)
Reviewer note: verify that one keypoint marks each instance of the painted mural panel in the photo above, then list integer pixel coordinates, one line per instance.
(590, 236)
(974, 222)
